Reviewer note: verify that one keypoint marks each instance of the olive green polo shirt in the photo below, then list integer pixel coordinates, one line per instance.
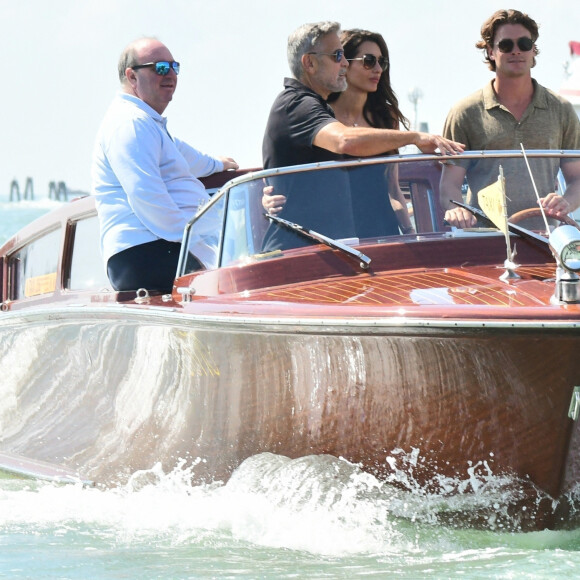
(481, 122)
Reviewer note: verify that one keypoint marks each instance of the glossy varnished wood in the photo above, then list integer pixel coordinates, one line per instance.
(302, 352)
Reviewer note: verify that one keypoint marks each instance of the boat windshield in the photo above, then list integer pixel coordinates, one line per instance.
(362, 201)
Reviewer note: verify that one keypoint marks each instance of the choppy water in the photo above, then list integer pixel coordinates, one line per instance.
(307, 518)
(316, 517)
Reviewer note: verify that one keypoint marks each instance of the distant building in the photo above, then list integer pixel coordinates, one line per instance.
(570, 88)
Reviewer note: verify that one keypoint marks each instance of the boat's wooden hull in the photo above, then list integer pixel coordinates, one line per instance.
(111, 391)
(435, 368)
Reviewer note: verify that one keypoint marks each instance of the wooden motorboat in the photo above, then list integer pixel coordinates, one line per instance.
(428, 359)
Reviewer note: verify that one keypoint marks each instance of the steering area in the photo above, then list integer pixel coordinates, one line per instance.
(536, 212)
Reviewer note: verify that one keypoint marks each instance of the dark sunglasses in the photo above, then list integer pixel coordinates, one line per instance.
(161, 68)
(370, 60)
(525, 44)
(337, 54)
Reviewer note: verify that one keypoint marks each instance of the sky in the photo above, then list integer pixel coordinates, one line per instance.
(60, 72)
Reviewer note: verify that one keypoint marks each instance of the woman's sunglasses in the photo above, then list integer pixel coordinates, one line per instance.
(161, 68)
(370, 60)
(524, 43)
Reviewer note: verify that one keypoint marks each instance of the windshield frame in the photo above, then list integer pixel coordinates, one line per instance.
(359, 162)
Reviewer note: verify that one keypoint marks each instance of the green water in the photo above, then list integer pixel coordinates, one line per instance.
(161, 526)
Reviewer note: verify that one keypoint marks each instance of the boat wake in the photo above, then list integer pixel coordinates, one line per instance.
(315, 505)
(481, 500)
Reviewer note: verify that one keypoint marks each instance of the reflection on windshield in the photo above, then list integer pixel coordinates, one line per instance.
(359, 202)
(343, 203)
(483, 172)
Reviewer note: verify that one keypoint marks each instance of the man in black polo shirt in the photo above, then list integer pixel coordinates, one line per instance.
(295, 118)
(301, 110)
(302, 129)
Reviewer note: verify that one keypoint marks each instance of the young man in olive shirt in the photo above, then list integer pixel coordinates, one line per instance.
(512, 109)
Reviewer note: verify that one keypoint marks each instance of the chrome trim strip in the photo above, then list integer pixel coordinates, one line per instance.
(159, 314)
(402, 158)
(574, 409)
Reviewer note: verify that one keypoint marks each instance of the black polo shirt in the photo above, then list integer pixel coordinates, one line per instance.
(298, 113)
(321, 200)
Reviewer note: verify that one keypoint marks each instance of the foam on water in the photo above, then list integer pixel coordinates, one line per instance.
(312, 504)
(318, 505)
(309, 517)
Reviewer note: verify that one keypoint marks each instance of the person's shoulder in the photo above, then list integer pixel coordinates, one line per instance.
(465, 116)
(294, 85)
(552, 98)
(466, 111)
(126, 120)
(303, 102)
(126, 107)
(474, 100)
(293, 91)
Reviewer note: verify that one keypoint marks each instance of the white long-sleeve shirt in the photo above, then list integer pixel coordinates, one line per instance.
(144, 181)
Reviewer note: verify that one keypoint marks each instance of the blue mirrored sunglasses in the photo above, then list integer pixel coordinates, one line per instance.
(161, 68)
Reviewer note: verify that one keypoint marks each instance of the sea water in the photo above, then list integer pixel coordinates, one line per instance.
(313, 517)
(15, 215)
(275, 518)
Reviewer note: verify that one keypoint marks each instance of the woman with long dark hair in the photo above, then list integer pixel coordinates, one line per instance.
(370, 101)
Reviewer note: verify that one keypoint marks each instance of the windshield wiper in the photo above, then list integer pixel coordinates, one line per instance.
(511, 227)
(362, 260)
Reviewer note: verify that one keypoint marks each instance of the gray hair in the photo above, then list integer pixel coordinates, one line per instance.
(304, 40)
